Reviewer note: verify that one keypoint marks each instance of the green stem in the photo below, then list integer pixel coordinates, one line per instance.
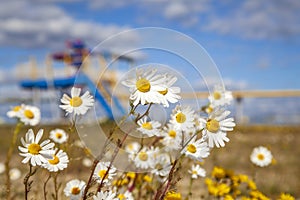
(9, 155)
(190, 188)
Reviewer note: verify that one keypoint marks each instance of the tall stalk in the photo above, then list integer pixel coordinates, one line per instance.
(9, 155)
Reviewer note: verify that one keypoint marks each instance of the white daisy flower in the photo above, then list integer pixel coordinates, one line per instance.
(161, 165)
(74, 189)
(125, 196)
(172, 138)
(101, 170)
(34, 152)
(76, 103)
(197, 171)
(30, 115)
(107, 195)
(58, 135)
(14, 174)
(149, 128)
(196, 149)
(215, 128)
(182, 118)
(15, 111)
(132, 149)
(170, 94)
(2, 168)
(144, 88)
(261, 156)
(144, 158)
(87, 162)
(59, 161)
(220, 97)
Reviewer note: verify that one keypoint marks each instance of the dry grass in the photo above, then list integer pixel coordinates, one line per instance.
(283, 141)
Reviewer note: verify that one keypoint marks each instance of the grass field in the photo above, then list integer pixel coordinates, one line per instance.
(283, 141)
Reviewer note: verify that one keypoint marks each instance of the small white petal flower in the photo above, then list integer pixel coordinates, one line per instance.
(2, 168)
(87, 162)
(125, 196)
(149, 128)
(182, 118)
(196, 149)
(30, 115)
(144, 158)
(34, 152)
(220, 97)
(145, 87)
(132, 149)
(107, 195)
(58, 135)
(197, 171)
(161, 165)
(15, 111)
(172, 138)
(170, 94)
(74, 189)
(261, 156)
(101, 170)
(76, 103)
(216, 126)
(59, 161)
(14, 174)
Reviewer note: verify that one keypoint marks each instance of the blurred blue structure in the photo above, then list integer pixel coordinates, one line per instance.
(74, 57)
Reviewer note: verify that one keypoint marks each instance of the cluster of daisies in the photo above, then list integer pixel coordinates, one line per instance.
(35, 151)
(186, 133)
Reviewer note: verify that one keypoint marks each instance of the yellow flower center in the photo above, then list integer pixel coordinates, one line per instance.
(147, 179)
(29, 114)
(16, 108)
(158, 166)
(260, 156)
(217, 95)
(54, 161)
(194, 172)
(180, 117)
(209, 109)
(76, 102)
(172, 133)
(121, 196)
(75, 190)
(173, 196)
(58, 135)
(212, 125)
(34, 149)
(191, 148)
(143, 85)
(102, 173)
(147, 125)
(143, 156)
(164, 92)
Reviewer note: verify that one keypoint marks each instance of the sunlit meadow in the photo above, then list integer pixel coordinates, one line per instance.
(195, 154)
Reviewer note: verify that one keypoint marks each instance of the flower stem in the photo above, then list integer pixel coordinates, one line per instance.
(8, 157)
(26, 181)
(45, 185)
(56, 187)
(116, 151)
(190, 188)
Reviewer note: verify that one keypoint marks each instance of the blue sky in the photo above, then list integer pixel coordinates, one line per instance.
(254, 43)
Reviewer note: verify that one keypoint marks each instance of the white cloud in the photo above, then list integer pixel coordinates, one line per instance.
(24, 24)
(254, 19)
(176, 10)
(258, 19)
